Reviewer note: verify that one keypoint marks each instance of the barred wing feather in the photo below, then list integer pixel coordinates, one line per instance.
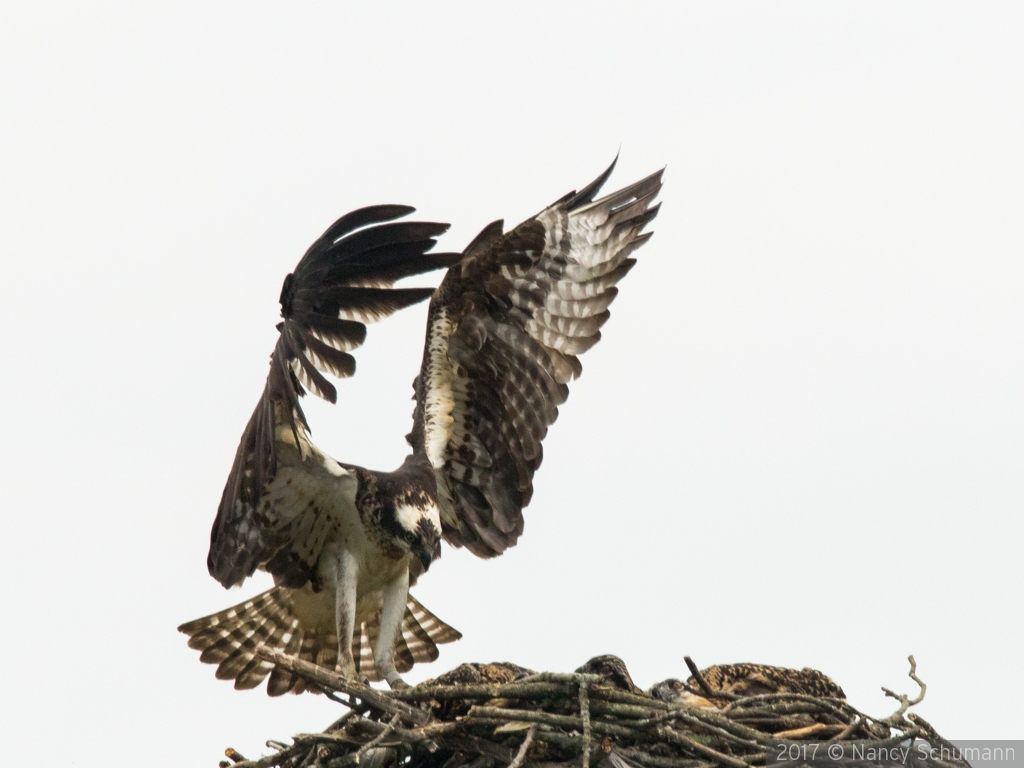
(504, 334)
(342, 282)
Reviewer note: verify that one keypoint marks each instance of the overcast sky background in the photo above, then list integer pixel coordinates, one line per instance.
(800, 441)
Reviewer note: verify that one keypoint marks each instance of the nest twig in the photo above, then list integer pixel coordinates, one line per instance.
(571, 721)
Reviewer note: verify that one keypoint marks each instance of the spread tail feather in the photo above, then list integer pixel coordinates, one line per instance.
(230, 637)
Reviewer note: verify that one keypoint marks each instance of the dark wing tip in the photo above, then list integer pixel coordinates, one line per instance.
(485, 237)
(587, 194)
(287, 295)
(190, 627)
(371, 214)
(353, 220)
(444, 260)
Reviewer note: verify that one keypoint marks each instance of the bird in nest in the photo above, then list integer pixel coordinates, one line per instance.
(732, 681)
(505, 329)
(741, 680)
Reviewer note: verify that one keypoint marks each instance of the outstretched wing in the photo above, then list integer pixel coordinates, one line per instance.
(504, 333)
(343, 282)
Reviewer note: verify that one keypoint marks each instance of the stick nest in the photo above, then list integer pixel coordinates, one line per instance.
(498, 715)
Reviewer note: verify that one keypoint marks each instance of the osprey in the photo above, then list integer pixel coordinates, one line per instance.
(345, 543)
(740, 680)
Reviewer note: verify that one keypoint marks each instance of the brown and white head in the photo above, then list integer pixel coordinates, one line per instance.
(414, 525)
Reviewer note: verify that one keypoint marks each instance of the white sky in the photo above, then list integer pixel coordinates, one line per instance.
(800, 441)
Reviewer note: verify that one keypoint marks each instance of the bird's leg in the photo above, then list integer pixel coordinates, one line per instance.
(347, 579)
(396, 595)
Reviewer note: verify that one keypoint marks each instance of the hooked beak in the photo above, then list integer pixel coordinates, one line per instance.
(424, 553)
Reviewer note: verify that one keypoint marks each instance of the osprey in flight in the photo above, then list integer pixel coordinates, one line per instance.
(344, 543)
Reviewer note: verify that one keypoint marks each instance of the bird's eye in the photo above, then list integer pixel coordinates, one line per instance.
(677, 685)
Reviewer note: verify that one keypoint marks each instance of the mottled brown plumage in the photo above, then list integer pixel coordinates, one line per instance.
(613, 669)
(504, 333)
(755, 679)
(746, 679)
(495, 673)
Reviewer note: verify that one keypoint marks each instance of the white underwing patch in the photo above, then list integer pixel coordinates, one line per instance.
(438, 401)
